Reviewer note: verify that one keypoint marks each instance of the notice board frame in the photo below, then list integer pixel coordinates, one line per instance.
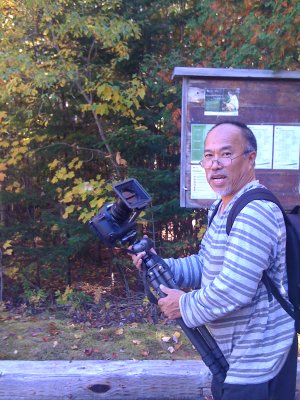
(268, 101)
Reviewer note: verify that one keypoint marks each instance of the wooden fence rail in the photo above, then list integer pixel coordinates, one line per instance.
(91, 380)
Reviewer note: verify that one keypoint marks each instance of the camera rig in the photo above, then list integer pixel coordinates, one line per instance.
(115, 225)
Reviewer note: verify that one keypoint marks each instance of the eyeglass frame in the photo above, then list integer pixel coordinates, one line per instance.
(220, 162)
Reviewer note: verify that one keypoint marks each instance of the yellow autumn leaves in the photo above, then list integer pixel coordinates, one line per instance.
(3, 168)
(80, 193)
(7, 248)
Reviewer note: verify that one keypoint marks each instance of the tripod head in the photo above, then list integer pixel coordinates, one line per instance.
(144, 244)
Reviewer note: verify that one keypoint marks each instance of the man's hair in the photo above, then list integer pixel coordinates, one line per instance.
(248, 135)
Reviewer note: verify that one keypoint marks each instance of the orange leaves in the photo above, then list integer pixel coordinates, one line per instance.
(253, 40)
(120, 160)
(176, 117)
(249, 33)
(2, 176)
(165, 75)
(215, 6)
(248, 4)
(52, 329)
(297, 19)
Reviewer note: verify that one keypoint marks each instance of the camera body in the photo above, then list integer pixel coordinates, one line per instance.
(116, 222)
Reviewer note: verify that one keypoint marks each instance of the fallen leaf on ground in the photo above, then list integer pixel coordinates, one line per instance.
(177, 346)
(176, 336)
(119, 331)
(88, 351)
(77, 335)
(52, 329)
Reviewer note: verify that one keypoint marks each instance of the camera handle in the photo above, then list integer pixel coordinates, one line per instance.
(157, 273)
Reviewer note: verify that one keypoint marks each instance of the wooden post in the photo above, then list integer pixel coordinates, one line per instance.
(89, 380)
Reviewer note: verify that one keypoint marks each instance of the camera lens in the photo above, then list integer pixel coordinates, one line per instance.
(120, 212)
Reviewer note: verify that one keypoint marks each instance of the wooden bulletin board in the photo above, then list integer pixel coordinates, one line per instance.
(267, 101)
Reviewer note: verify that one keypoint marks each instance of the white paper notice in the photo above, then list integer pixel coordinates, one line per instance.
(286, 147)
(200, 189)
(264, 139)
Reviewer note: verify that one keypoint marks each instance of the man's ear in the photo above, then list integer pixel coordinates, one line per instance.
(252, 158)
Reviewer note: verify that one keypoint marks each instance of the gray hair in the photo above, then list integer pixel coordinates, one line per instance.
(248, 135)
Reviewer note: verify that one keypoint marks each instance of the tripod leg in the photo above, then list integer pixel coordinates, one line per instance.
(159, 273)
(206, 353)
(212, 344)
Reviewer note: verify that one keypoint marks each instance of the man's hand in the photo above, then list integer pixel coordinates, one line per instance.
(137, 258)
(169, 305)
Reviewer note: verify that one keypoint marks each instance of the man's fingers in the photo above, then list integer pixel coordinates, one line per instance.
(164, 289)
(137, 259)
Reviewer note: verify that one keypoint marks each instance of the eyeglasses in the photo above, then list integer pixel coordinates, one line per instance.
(208, 161)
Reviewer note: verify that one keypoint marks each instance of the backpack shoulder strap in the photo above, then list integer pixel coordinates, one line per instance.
(247, 197)
(241, 202)
(295, 210)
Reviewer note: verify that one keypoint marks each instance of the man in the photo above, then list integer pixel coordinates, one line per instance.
(255, 334)
(233, 102)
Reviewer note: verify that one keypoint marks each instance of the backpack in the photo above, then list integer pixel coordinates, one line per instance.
(292, 223)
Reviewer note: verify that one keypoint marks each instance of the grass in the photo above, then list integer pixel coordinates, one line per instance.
(51, 336)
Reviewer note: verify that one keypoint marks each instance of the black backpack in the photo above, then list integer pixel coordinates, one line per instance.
(292, 222)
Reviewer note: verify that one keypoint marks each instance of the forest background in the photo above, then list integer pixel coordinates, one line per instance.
(86, 101)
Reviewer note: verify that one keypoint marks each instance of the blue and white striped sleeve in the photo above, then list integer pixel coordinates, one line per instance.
(187, 271)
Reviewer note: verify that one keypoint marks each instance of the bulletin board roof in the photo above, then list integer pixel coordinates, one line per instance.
(234, 73)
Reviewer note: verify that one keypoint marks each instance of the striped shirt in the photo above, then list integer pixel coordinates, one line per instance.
(253, 331)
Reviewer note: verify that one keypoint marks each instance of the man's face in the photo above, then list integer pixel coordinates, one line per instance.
(226, 140)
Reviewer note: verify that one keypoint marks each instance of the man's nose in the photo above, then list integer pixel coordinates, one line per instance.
(216, 164)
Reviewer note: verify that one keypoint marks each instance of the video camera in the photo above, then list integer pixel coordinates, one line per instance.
(116, 223)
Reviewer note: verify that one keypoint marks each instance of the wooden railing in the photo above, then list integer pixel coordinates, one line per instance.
(87, 380)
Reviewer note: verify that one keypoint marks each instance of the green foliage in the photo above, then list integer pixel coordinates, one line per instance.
(74, 298)
(34, 297)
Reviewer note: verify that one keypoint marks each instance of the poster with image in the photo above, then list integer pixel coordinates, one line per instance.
(222, 102)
